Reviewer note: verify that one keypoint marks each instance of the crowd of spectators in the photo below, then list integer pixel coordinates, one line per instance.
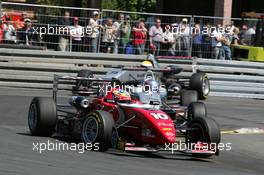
(17, 32)
(124, 36)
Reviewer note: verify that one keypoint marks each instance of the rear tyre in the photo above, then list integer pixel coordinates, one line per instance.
(188, 97)
(204, 130)
(200, 83)
(196, 110)
(97, 130)
(42, 116)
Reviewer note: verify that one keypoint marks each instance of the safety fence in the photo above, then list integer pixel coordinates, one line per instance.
(35, 69)
(111, 31)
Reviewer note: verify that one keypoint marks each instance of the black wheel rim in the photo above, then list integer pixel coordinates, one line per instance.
(32, 117)
(197, 134)
(90, 130)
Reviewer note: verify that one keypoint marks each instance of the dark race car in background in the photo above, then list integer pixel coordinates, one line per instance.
(168, 77)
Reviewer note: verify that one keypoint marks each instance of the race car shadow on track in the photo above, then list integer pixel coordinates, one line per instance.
(175, 156)
(165, 155)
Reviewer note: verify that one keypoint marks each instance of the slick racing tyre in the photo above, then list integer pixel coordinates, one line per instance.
(42, 116)
(97, 130)
(188, 97)
(200, 83)
(204, 130)
(196, 110)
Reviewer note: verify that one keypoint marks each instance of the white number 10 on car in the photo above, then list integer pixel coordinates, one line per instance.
(159, 116)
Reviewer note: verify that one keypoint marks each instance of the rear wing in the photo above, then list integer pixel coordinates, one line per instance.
(58, 79)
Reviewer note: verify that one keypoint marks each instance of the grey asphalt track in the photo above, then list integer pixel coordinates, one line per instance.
(18, 158)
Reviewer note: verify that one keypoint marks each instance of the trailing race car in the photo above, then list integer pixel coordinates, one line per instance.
(124, 121)
(167, 77)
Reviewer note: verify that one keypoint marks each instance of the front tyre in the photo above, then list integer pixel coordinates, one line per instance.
(97, 129)
(200, 83)
(204, 130)
(196, 110)
(42, 116)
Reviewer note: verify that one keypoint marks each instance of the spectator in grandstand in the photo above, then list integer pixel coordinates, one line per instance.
(1, 30)
(93, 23)
(246, 35)
(26, 34)
(139, 37)
(207, 42)
(197, 41)
(117, 25)
(64, 38)
(185, 26)
(125, 34)
(185, 38)
(20, 23)
(76, 33)
(177, 38)
(108, 36)
(235, 38)
(9, 32)
(226, 42)
(155, 36)
(216, 41)
(168, 41)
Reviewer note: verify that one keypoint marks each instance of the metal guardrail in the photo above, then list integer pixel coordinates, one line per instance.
(35, 69)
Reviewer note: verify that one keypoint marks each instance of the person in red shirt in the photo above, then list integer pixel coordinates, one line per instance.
(139, 37)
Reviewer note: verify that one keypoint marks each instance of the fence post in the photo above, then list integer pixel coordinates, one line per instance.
(191, 37)
(100, 31)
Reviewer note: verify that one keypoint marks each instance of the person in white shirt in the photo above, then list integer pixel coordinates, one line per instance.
(185, 38)
(9, 32)
(93, 23)
(217, 39)
(108, 36)
(155, 36)
(168, 41)
(76, 33)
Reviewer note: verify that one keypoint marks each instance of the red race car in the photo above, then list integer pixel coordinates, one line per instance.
(120, 120)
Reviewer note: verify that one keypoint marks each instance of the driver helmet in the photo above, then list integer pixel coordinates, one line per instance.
(151, 86)
(147, 64)
(121, 95)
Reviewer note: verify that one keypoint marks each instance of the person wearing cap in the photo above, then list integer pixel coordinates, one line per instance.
(117, 25)
(93, 23)
(125, 33)
(155, 36)
(185, 38)
(76, 33)
(64, 38)
(26, 35)
(168, 41)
